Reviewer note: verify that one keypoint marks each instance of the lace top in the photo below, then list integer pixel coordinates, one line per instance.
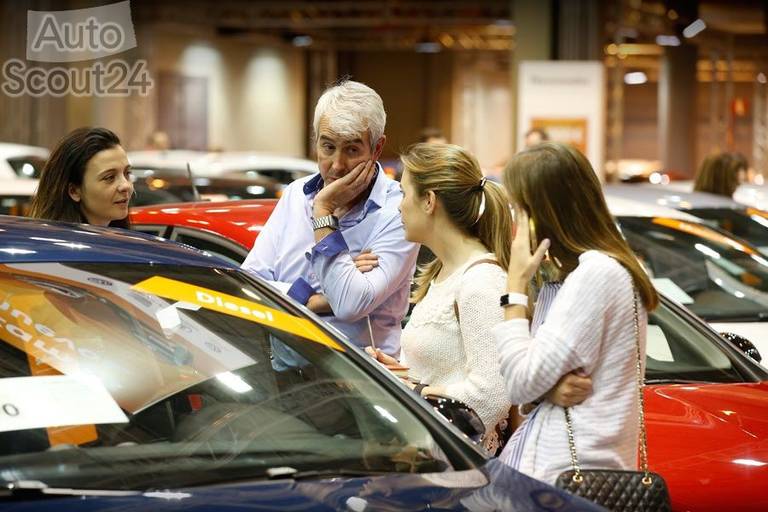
(462, 358)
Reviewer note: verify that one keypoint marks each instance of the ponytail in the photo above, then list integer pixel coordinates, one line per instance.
(476, 206)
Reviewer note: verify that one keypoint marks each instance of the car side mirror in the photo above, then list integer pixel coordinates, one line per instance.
(460, 414)
(743, 344)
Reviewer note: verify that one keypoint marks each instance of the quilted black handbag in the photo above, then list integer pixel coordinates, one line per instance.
(617, 490)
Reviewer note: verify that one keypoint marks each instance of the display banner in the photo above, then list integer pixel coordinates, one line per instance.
(567, 100)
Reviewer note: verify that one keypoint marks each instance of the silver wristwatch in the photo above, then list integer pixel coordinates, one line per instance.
(326, 221)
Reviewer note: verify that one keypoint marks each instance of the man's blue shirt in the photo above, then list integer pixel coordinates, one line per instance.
(285, 253)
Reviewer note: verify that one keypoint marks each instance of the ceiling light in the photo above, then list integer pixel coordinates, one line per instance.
(663, 40)
(302, 41)
(635, 78)
(761, 78)
(428, 47)
(694, 28)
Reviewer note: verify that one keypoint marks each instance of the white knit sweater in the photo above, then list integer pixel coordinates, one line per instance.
(462, 358)
(590, 325)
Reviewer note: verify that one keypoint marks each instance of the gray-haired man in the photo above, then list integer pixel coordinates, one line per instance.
(323, 222)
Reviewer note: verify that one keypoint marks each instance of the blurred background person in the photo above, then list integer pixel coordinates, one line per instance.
(721, 174)
(431, 135)
(535, 136)
(158, 141)
(87, 179)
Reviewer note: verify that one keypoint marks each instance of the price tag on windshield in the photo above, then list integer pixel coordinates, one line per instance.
(55, 401)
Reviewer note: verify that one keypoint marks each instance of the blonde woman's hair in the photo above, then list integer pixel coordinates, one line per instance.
(557, 187)
(454, 175)
(719, 174)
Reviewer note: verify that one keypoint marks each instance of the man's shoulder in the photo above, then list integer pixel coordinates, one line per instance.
(392, 194)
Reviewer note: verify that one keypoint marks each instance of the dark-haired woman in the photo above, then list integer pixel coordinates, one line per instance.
(721, 174)
(87, 179)
(584, 318)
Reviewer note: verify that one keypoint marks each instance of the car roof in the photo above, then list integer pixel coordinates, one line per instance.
(752, 195)
(240, 221)
(206, 163)
(31, 240)
(623, 207)
(8, 150)
(662, 196)
(18, 187)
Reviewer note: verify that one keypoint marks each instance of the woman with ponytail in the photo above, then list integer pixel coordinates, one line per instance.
(449, 207)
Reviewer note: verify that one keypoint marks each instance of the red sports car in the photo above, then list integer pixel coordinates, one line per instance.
(706, 402)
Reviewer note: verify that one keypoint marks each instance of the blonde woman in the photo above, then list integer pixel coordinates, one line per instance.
(449, 207)
(585, 314)
(464, 219)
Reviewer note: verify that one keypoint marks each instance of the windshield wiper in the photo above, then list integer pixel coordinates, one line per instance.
(290, 473)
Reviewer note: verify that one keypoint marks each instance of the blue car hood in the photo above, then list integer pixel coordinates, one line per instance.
(494, 487)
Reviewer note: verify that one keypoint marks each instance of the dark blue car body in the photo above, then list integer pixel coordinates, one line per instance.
(490, 485)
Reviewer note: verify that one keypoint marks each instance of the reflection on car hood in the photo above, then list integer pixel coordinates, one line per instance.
(730, 454)
(495, 487)
(31, 240)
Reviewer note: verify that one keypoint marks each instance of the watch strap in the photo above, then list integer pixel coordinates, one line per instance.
(513, 299)
(326, 221)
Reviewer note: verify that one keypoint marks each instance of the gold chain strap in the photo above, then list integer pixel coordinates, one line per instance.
(647, 480)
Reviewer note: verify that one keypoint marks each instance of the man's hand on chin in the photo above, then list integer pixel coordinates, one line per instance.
(336, 198)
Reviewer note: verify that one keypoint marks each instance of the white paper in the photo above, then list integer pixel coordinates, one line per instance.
(671, 290)
(55, 401)
(657, 346)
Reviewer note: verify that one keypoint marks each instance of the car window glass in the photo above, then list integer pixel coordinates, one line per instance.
(27, 166)
(211, 380)
(14, 205)
(212, 244)
(149, 230)
(751, 226)
(726, 280)
(677, 350)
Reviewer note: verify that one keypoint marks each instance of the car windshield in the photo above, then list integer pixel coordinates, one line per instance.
(27, 166)
(136, 376)
(749, 224)
(159, 187)
(717, 277)
(283, 176)
(678, 351)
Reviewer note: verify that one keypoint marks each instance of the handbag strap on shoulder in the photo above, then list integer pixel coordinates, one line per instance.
(577, 476)
(474, 264)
